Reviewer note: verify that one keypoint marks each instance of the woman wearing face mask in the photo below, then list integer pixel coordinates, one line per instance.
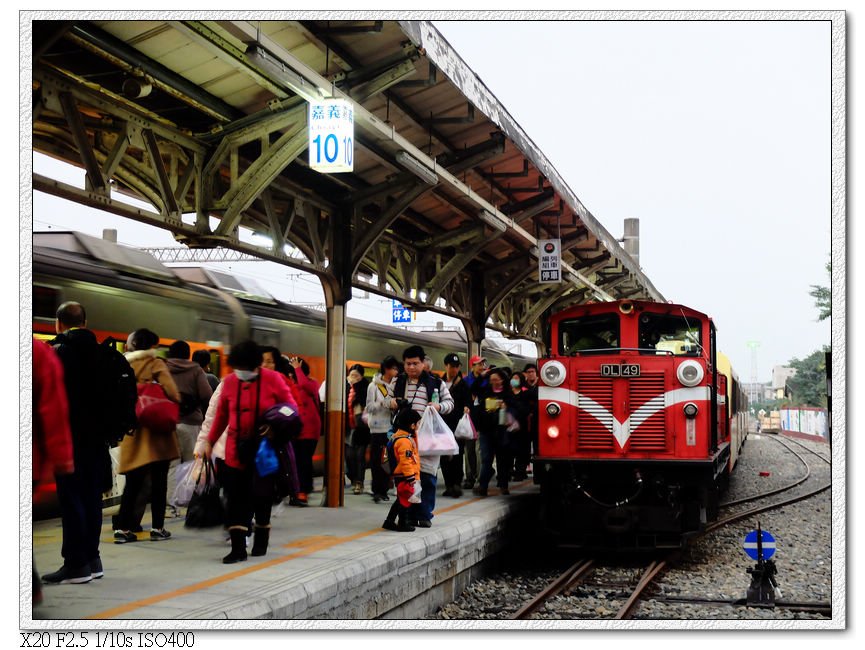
(520, 437)
(246, 394)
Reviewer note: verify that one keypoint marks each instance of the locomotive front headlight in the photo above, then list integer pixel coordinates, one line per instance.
(690, 373)
(553, 409)
(690, 410)
(553, 373)
(553, 432)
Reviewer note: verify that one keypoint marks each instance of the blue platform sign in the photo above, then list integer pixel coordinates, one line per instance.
(768, 543)
(400, 313)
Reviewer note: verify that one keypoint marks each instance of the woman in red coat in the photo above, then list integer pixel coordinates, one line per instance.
(305, 390)
(246, 395)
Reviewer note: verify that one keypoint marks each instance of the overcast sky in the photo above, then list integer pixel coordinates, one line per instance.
(716, 135)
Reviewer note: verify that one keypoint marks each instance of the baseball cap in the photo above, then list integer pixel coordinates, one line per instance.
(476, 359)
(452, 360)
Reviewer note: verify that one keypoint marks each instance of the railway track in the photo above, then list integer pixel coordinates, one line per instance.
(576, 575)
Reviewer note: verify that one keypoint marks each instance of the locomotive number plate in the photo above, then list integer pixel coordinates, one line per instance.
(620, 370)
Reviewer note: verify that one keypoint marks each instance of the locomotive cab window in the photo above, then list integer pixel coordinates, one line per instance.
(670, 333)
(589, 334)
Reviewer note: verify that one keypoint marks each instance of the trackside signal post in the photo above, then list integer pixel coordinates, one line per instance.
(760, 546)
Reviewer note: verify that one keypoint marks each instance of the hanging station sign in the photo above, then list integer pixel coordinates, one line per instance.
(331, 135)
(549, 260)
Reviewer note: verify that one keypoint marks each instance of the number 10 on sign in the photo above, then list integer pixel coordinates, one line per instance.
(331, 136)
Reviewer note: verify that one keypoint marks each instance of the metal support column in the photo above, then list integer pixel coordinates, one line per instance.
(476, 326)
(337, 293)
(334, 451)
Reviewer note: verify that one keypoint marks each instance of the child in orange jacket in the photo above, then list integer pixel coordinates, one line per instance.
(405, 461)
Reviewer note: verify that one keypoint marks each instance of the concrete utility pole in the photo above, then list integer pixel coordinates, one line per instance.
(753, 393)
(631, 240)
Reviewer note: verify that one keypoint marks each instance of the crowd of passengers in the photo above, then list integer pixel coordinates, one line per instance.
(220, 419)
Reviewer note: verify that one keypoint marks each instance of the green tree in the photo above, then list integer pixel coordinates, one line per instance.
(808, 386)
(823, 296)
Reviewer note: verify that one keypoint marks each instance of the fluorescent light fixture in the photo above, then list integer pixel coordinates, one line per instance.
(417, 168)
(492, 220)
(258, 56)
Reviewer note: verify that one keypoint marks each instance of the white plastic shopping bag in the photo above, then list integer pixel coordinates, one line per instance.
(185, 482)
(415, 497)
(433, 435)
(465, 429)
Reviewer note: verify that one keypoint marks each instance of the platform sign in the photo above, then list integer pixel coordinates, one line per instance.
(767, 542)
(331, 135)
(400, 313)
(549, 260)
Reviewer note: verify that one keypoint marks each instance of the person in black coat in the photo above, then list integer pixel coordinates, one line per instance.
(452, 466)
(521, 440)
(495, 399)
(357, 435)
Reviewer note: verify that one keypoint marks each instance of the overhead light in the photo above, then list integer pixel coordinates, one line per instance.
(492, 220)
(266, 61)
(417, 168)
(136, 87)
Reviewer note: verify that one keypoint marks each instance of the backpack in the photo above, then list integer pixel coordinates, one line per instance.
(189, 404)
(389, 458)
(118, 390)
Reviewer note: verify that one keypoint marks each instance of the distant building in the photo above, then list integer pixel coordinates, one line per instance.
(759, 392)
(780, 375)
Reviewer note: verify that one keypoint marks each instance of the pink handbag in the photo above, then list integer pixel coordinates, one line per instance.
(155, 411)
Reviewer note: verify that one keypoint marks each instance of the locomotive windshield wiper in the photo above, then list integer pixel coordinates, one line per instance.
(616, 350)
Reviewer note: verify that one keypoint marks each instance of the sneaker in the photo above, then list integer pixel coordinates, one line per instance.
(158, 534)
(480, 491)
(390, 525)
(468, 485)
(96, 571)
(504, 490)
(357, 489)
(67, 576)
(124, 536)
(377, 498)
(298, 502)
(449, 492)
(456, 491)
(423, 523)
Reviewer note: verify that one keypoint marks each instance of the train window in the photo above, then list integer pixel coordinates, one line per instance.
(209, 330)
(46, 300)
(266, 337)
(589, 334)
(670, 333)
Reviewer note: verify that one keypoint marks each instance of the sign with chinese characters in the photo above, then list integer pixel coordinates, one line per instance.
(331, 135)
(400, 313)
(549, 260)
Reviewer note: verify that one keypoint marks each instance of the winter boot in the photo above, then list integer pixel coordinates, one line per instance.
(238, 546)
(262, 537)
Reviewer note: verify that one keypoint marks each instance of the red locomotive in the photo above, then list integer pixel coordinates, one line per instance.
(640, 423)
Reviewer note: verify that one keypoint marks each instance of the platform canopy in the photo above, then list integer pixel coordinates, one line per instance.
(207, 122)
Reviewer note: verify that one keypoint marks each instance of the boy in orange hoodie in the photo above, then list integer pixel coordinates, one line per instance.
(405, 468)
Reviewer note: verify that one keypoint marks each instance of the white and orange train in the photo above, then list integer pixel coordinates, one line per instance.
(641, 420)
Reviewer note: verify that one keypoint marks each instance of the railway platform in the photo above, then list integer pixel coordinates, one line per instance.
(322, 563)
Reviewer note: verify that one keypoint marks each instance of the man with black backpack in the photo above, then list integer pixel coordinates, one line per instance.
(100, 389)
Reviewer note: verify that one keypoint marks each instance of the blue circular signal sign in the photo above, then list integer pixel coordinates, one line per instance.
(766, 541)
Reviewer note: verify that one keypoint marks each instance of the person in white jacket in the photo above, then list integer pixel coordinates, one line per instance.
(377, 415)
